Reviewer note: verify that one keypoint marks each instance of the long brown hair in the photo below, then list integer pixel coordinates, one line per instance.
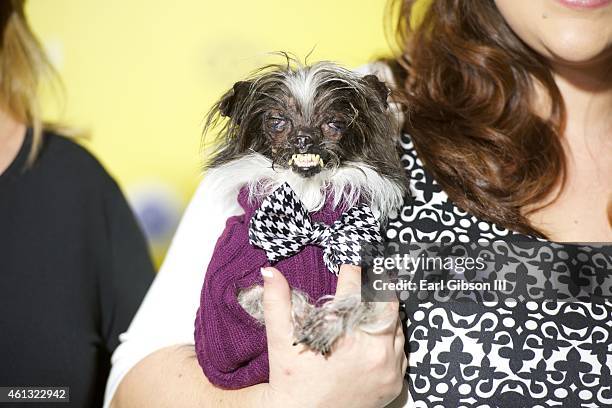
(23, 65)
(468, 87)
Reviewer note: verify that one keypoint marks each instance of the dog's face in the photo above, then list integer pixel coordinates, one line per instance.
(303, 141)
(309, 119)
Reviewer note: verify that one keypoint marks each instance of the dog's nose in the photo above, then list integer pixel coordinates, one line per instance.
(303, 141)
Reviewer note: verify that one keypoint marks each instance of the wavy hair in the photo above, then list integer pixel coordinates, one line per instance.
(468, 84)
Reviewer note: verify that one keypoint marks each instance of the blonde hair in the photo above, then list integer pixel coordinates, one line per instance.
(23, 64)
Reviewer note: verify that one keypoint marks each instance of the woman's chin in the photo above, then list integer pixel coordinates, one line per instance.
(578, 50)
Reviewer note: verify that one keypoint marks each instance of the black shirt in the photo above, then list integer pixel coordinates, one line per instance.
(74, 267)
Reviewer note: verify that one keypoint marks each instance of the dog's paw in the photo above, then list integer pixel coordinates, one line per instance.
(325, 324)
(251, 300)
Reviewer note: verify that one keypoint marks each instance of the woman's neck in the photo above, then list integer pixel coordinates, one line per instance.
(12, 134)
(587, 93)
(579, 211)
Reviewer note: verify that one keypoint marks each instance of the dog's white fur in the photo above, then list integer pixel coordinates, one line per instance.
(304, 83)
(349, 184)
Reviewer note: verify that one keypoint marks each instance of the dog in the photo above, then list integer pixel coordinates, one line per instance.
(326, 134)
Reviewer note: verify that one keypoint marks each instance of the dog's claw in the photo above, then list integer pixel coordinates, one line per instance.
(318, 334)
(323, 325)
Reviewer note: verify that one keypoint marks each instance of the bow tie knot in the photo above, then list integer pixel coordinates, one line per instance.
(319, 235)
(282, 227)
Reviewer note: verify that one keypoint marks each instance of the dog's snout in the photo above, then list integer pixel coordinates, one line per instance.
(303, 141)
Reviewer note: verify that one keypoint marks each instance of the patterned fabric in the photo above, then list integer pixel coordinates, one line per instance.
(282, 227)
(522, 354)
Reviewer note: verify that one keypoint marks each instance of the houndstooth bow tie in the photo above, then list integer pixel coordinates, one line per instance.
(282, 228)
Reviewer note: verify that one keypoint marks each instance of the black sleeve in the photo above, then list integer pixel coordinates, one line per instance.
(128, 270)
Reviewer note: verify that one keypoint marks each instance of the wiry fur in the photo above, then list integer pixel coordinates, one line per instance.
(319, 326)
(348, 184)
(361, 164)
(313, 91)
(322, 326)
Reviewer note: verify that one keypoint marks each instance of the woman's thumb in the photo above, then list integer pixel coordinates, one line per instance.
(277, 307)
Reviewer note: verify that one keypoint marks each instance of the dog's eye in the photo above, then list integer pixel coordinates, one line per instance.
(337, 125)
(277, 124)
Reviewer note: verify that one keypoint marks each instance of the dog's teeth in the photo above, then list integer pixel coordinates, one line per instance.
(306, 160)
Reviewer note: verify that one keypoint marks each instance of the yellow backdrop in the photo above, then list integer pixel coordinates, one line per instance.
(139, 76)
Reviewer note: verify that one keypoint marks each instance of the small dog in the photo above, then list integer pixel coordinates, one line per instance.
(329, 134)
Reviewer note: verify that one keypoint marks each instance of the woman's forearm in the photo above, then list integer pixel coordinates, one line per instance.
(367, 370)
(172, 377)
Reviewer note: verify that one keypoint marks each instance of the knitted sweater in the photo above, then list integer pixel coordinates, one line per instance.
(231, 344)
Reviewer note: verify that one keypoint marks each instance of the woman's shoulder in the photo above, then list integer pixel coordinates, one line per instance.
(66, 152)
(63, 158)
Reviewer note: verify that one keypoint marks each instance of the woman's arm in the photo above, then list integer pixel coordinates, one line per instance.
(172, 377)
(363, 371)
(126, 270)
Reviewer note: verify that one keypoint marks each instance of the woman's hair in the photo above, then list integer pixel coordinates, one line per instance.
(23, 64)
(468, 84)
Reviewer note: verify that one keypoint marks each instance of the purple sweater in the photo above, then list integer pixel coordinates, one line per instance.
(230, 344)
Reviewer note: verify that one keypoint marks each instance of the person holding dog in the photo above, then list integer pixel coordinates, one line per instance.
(506, 137)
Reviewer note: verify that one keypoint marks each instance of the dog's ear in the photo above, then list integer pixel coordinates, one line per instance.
(380, 87)
(232, 99)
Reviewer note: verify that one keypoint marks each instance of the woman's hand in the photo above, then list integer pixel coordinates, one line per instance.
(363, 370)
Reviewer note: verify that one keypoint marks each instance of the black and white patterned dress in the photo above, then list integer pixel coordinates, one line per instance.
(527, 354)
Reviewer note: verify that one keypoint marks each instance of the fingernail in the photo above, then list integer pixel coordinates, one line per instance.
(266, 273)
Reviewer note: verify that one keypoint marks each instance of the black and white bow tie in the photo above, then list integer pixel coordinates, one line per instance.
(282, 227)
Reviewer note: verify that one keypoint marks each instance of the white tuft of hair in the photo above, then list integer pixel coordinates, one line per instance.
(349, 184)
(304, 82)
